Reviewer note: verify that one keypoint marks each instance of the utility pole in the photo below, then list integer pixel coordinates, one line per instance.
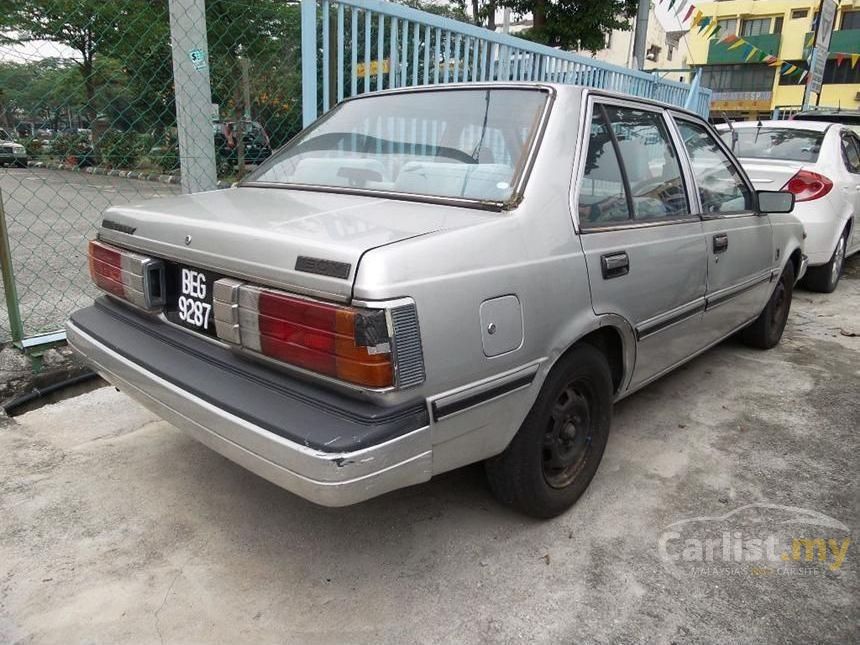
(641, 34)
(193, 94)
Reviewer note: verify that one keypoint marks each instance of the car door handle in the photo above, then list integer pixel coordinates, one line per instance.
(721, 243)
(614, 265)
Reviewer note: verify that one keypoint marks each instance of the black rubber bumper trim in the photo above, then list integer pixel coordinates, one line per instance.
(447, 409)
(302, 412)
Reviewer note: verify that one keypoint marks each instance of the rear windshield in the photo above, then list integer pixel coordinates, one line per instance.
(790, 144)
(469, 143)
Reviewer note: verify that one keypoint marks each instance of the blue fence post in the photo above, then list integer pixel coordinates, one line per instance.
(309, 62)
(693, 94)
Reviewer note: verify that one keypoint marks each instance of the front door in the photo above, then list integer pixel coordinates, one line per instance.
(644, 248)
(739, 240)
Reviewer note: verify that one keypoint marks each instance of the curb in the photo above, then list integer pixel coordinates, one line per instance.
(114, 172)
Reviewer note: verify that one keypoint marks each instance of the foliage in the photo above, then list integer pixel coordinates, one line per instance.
(573, 24)
(118, 149)
(70, 145)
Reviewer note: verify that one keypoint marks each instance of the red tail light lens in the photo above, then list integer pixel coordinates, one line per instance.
(807, 185)
(343, 342)
(133, 277)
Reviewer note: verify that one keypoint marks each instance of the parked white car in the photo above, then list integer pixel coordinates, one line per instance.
(820, 163)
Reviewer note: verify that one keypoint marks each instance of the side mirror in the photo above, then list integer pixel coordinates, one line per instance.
(775, 201)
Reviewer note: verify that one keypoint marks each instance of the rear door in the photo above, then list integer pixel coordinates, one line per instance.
(644, 248)
(739, 240)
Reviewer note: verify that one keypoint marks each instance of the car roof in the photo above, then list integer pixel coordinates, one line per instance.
(820, 126)
(559, 88)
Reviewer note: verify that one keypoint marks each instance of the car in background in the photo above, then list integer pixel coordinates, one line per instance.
(256, 140)
(849, 118)
(11, 152)
(819, 162)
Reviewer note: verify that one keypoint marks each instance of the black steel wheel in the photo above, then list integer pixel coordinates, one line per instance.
(766, 330)
(556, 452)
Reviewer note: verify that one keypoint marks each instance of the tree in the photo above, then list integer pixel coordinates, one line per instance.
(573, 24)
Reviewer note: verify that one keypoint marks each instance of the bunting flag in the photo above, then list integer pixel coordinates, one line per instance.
(709, 27)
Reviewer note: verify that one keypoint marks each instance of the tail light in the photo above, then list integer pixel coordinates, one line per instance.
(807, 185)
(133, 277)
(355, 345)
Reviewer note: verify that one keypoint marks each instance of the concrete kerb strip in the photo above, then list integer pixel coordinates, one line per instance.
(114, 172)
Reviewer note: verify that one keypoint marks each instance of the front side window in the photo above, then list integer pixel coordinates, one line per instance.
(790, 144)
(721, 187)
(851, 152)
(469, 143)
(631, 169)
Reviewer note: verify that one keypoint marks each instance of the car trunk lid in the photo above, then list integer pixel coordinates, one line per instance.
(770, 174)
(302, 241)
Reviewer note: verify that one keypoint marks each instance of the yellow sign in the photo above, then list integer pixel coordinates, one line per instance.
(362, 68)
(741, 105)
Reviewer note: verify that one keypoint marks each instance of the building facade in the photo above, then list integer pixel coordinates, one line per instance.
(782, 28)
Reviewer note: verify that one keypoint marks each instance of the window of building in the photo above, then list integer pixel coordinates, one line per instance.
(777, 24)
(850, 20)
(728, 26)
(750, 77)
(799, 13)
(843, 74)
(755, 26)
(834, 74)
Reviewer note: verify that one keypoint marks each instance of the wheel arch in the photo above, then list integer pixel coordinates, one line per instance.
(614, 337)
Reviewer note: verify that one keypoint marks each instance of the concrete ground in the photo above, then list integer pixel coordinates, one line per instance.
(50, 215)
(117, 528)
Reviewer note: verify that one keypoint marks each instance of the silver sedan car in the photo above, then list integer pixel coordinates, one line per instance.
(430, 277)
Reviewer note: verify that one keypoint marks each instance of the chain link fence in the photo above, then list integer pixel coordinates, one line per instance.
(88, 113)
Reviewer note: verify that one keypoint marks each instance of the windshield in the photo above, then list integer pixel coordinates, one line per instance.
(469, 143)
(790, 144)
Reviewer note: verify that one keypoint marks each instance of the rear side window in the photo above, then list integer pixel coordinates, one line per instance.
(650, 162)
(721, 188)
(790, 144)
(602, 196)
(631, 169)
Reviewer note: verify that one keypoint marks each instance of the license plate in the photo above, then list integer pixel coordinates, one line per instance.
(194, 305)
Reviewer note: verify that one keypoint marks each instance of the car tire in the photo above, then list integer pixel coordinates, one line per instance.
(766, 330)
(824, 278)
(556, 452)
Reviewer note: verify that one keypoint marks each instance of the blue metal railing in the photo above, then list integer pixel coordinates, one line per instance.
(379, 45)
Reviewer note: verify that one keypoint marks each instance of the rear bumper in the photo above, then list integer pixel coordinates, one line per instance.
(356, 470)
